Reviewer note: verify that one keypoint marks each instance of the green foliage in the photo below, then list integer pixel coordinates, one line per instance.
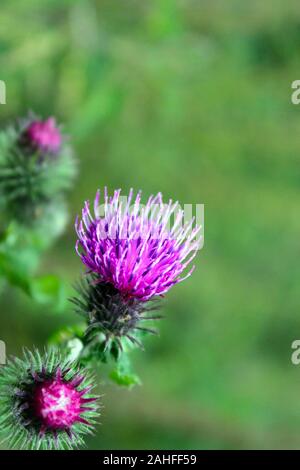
(33, 214)
(122, 374)
(20, 251)
(100, 354)
(192, 99)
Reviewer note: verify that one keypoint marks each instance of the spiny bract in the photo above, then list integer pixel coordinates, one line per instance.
(110, 316)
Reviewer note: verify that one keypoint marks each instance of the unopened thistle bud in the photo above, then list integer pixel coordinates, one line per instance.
(36, 168)
(41, 136)
(45, 402)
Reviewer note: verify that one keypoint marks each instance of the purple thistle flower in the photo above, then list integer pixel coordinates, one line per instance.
(133, 254)
(43, 136)
(137, 249)
(45, 402)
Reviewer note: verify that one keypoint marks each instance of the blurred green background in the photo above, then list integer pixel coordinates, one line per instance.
(191, 98)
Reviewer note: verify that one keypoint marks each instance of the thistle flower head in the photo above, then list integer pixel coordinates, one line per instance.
(43, 136)
(31, 178)
(134, 248)
(45, 402)
(133, 254)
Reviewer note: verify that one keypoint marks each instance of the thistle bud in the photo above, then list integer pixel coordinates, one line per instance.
(36, 168)
(45, 402)
(43, 136)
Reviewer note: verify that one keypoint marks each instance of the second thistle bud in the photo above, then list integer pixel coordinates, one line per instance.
(42, 136)
(36, 168)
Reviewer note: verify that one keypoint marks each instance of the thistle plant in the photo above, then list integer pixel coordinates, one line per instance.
(46, 402)
(36, 168)
(134, 255)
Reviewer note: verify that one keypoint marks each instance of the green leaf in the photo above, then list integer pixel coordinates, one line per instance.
(124, 379)
(123, 375)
